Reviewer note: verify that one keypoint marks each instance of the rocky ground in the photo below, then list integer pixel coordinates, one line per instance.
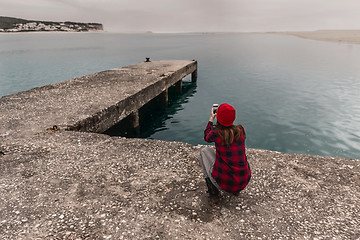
(71, 185)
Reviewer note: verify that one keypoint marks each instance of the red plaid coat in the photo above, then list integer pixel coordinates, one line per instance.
(231, 169)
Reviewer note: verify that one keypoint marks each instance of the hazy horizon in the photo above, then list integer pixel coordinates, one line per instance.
(193, 16)
(180, 32)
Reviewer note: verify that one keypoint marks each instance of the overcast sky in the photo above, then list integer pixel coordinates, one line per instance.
(193, 15)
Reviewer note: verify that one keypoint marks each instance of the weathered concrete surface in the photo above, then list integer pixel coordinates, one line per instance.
(73, 185)
(77, 185)
(91, 103)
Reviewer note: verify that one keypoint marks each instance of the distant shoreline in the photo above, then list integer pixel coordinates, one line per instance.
(346, 36)
(50, 32)
(341, 36)
(11, 24)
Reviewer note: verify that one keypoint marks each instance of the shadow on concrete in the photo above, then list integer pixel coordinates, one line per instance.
(153, 115)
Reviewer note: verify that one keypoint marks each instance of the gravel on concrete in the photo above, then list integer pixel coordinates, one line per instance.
(58, 184)
(73, 185)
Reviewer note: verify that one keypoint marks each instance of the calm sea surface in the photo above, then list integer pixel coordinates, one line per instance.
(292, 95)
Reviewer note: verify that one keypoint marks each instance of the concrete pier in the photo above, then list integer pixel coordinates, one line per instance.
(92, 103)
(58, 184)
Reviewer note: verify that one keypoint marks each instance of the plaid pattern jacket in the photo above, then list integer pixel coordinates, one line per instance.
(231, 169)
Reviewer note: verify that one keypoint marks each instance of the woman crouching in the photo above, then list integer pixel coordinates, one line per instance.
(228, 169)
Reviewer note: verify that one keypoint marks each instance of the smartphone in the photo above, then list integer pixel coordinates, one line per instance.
(215, 107)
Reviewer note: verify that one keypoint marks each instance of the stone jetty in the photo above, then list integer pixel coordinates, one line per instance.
(72, 182)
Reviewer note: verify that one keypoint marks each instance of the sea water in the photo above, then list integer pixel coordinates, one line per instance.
(292, 95)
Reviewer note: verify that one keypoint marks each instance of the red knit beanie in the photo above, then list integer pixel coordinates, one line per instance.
(225, 114)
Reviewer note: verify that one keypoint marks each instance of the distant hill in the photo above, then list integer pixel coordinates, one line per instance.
(10, 24)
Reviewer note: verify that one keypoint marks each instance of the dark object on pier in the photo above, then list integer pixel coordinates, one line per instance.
(147, 60)
(53, 129)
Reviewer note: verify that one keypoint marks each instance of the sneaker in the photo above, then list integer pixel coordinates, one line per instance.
(212, 190)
